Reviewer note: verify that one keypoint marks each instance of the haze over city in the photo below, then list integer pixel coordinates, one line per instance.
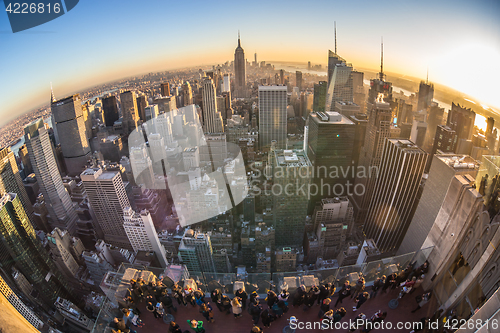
(458, 42)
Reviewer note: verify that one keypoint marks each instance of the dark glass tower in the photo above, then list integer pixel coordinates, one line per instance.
(110, 109)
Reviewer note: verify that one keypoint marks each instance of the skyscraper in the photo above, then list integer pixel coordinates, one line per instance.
(58, 202)
(141, 106)
(129, 111)
(330, 146)
(444, 168)
(142, 234)
(239, 71)
(28, 254)
(187, 93)
(195, 251)
(291, 172)
(212, 120)
(461, 120)
(226, 83)
(165, 89)
(378, 129)
(340, 87)
(394, 197)
(425, 95)
(298, 79)
(319, 99)
(108, 199)
(272, 116)
(378, 86)
(110, 110)
(10, 180)
(68, 117)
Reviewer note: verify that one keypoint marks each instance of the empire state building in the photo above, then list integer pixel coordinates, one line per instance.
(239, 71)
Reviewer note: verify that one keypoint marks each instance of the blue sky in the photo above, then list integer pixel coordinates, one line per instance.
(99, 41)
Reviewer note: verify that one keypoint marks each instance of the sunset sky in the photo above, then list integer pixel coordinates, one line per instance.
(99, 41)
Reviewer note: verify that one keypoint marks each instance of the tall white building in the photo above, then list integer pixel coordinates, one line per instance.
(108, 199)
(226, 83)
(272, 115)
(58, 202)
(142, 234)
(212, 120)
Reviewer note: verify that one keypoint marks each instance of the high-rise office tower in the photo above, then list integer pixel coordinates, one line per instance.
(141, 103)
(445, 141)
(332, 223)
(358, 90)
(110, 110)
(340, 87)
(394, 197)
(461, 120)
(425, 95)
(333, 60)
(291, 172)
(434, 119)
(444, 168)
(329, 147)
(129, 111)
(239, 71)
(226, 83)
(272, 116)
(68, 118)
(60, 245)
(195, 251)
(10, 180)
(151, 111)
(165, 89)
(108, 199)
(298, 80)
(187, 93)
(142, 234)
(319, 99)
(27, 254)
(25, 159)
(212, 120)
(378, 129)
(58, 202)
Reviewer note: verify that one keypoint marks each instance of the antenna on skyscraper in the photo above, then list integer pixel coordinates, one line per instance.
(381, 74)
(52, 98)
(335, 33)
(238, 38)
(427, 79)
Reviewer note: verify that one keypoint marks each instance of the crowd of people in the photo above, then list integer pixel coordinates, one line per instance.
(160, 301)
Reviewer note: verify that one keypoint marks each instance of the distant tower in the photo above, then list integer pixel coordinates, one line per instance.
(58, 202)
(212, 120)
(187, 92)
(141, 103)
(129, 111)
(425, 96)
(165, 89)
(195, 251)
(110, 109)
(272, 115)
(68, 117)
(239, 71)
(298, 80)
(379, 86)
(395, 195)
(108, 200)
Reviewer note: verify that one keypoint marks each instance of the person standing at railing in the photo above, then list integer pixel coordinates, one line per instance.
(177, 293)
(359, 287)
(343, 293)
(216, 296)
(242, 294)
(271, 298)
(236, 305)
(255, 311)
(300, 295)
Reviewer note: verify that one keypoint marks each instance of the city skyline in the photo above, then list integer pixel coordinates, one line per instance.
(442, 39)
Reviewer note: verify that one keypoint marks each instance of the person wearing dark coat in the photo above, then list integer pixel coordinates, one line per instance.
(300, 295)
(323, 292)
(216, 297)
(343, 293)
(168, 303)
(177, 293)
(266, 318)
(174, 327)
(119, 324)
(253, 296)
(271, 298)
(242, 294)
(255, 311)
(361, 299)
(226, 304)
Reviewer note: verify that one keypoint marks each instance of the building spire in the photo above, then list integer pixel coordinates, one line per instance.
(239, 39)
(381, 74)
(427, 79)
(52, 98)
(335, 33)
